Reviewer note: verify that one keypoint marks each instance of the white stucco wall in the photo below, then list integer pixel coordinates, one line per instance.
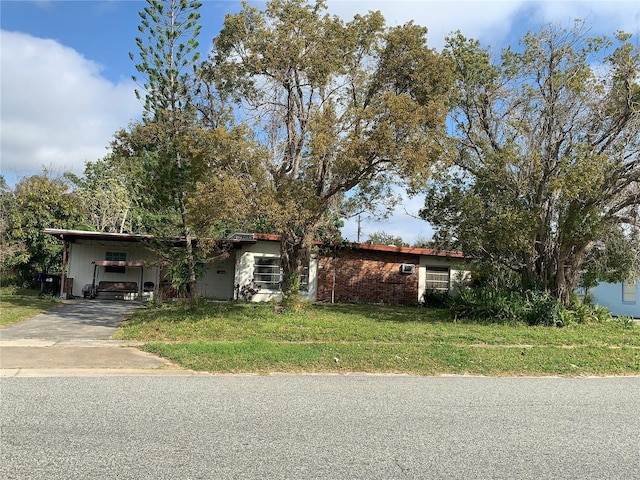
(459, 275)
(245, 261)
(218, 280)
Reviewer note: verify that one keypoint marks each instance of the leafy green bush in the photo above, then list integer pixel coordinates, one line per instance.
(494, 306)
(542, 309)
(435, 299)
(532, 307)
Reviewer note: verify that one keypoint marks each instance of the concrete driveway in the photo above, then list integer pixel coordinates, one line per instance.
(75, 339)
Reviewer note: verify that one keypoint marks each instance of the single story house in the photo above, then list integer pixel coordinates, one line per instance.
(622, 299)
(123, 266)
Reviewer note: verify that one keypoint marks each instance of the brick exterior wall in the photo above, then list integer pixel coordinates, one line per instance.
(368, 277)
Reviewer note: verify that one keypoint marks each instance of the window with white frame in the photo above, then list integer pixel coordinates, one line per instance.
(304, 280)
(438, 279)
(115, 257)
(268, 274)
(629, 292)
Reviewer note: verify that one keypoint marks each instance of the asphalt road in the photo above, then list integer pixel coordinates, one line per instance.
(319, 427)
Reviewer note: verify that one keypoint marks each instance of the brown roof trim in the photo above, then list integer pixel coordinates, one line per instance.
(379, 248)
(270, 237)
(409, 250)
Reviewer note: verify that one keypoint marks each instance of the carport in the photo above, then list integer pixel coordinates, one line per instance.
(82, 244)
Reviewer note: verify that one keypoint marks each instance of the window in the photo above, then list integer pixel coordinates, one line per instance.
(115, 257)
(629, 292)
(268, 274)
(437, 279)
(304, 280)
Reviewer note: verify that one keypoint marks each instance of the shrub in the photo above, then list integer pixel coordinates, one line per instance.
(532, 307)
(435, 299)
(495, 306)
(543, 309)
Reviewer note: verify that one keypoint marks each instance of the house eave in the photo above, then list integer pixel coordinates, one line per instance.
(74, 235)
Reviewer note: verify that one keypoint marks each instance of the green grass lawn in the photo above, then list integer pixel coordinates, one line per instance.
(238, 337)
(20, 304)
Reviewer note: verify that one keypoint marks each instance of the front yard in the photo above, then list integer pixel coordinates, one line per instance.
(239, 337)
(20, 304)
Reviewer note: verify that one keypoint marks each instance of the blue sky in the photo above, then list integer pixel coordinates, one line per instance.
(66, 83)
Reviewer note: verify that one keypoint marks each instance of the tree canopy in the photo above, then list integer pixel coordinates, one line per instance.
(37, 202)
(340, 110)
(545, 153)
(383, 238)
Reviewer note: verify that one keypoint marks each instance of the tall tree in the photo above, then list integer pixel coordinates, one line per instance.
(546, 153)
(106, 191)
(38, 202)
(341, 110)
(168, 58)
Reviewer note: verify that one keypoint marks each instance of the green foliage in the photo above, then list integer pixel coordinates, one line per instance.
(543, 309)
(382, 238)
(488, 306)
(109, 191)
(291, 301)
(167, 55)
(435, 299)
(532, 308)
(615, 259)
(493, 276)
(545, 151)
(167, 60)
(38, 202)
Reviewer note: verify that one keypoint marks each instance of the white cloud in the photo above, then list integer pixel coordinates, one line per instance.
(495, 21)
(603, 17)
(57, 109)
(488, 20)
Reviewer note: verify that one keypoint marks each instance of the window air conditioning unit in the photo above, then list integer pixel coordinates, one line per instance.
(407, 268)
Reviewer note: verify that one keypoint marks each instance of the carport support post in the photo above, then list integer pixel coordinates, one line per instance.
(140, 289)
(63, 277)
(95, 267)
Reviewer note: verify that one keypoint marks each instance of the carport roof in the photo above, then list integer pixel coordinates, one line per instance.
(72, 235)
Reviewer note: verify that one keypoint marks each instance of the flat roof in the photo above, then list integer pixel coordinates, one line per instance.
(72, 235)
(409, 250)
(379, 248)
